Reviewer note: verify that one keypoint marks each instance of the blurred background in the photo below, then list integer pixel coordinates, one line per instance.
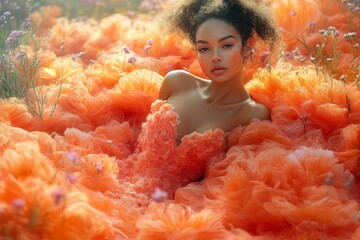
(13, 13)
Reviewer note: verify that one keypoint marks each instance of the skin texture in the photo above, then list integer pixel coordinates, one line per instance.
(221, 102)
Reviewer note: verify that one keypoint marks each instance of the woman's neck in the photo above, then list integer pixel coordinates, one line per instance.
(229, 92)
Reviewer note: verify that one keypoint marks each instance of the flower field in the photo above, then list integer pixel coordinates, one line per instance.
(87, 151)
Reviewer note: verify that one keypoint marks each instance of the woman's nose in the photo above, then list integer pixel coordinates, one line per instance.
(216, 57)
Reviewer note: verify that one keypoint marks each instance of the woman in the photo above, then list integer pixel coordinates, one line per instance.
(219, 31)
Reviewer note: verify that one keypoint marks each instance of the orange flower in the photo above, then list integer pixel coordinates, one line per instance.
(45, 18)
(163, 221)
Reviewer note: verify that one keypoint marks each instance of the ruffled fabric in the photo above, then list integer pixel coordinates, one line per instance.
(98, 158)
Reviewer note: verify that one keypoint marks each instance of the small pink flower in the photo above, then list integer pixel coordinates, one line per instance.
(71, 177)
(265, 54)
(131, 14)
(159, 195)
(99, 166)
(21, 54)
(350, 35)
(282, 29)
(72, 157)
(292, 13)
(150, 42)
(289, 55)
(58, 194)
(18, 203)
(126, 50)
(132, 59)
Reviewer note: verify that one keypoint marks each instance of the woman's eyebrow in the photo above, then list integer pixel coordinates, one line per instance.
(220, 40)
(227, 37)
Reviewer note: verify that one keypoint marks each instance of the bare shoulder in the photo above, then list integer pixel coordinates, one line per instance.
(176, 81)
(258, 110)
(252, 110)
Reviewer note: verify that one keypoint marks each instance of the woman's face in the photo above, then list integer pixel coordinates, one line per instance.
(219, 50)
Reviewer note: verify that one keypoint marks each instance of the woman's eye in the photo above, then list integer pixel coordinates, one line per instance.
(203, 49)
(228, 45)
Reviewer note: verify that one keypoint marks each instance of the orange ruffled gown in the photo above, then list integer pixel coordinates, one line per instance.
(105, 164)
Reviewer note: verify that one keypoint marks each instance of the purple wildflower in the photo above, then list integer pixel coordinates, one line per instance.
(348, 36)
(18, 203)
(58, 194)
(150, 42)
(126, 50)
(21, 54)
(27, 23)
(289, 55)
(71, 177)
(72, 157)
(13, 40)
(333, 31)
(132, 59)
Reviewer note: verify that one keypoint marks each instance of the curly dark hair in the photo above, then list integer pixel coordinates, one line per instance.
(247, 17)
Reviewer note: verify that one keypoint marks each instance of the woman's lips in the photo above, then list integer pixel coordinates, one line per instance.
(218, 70)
